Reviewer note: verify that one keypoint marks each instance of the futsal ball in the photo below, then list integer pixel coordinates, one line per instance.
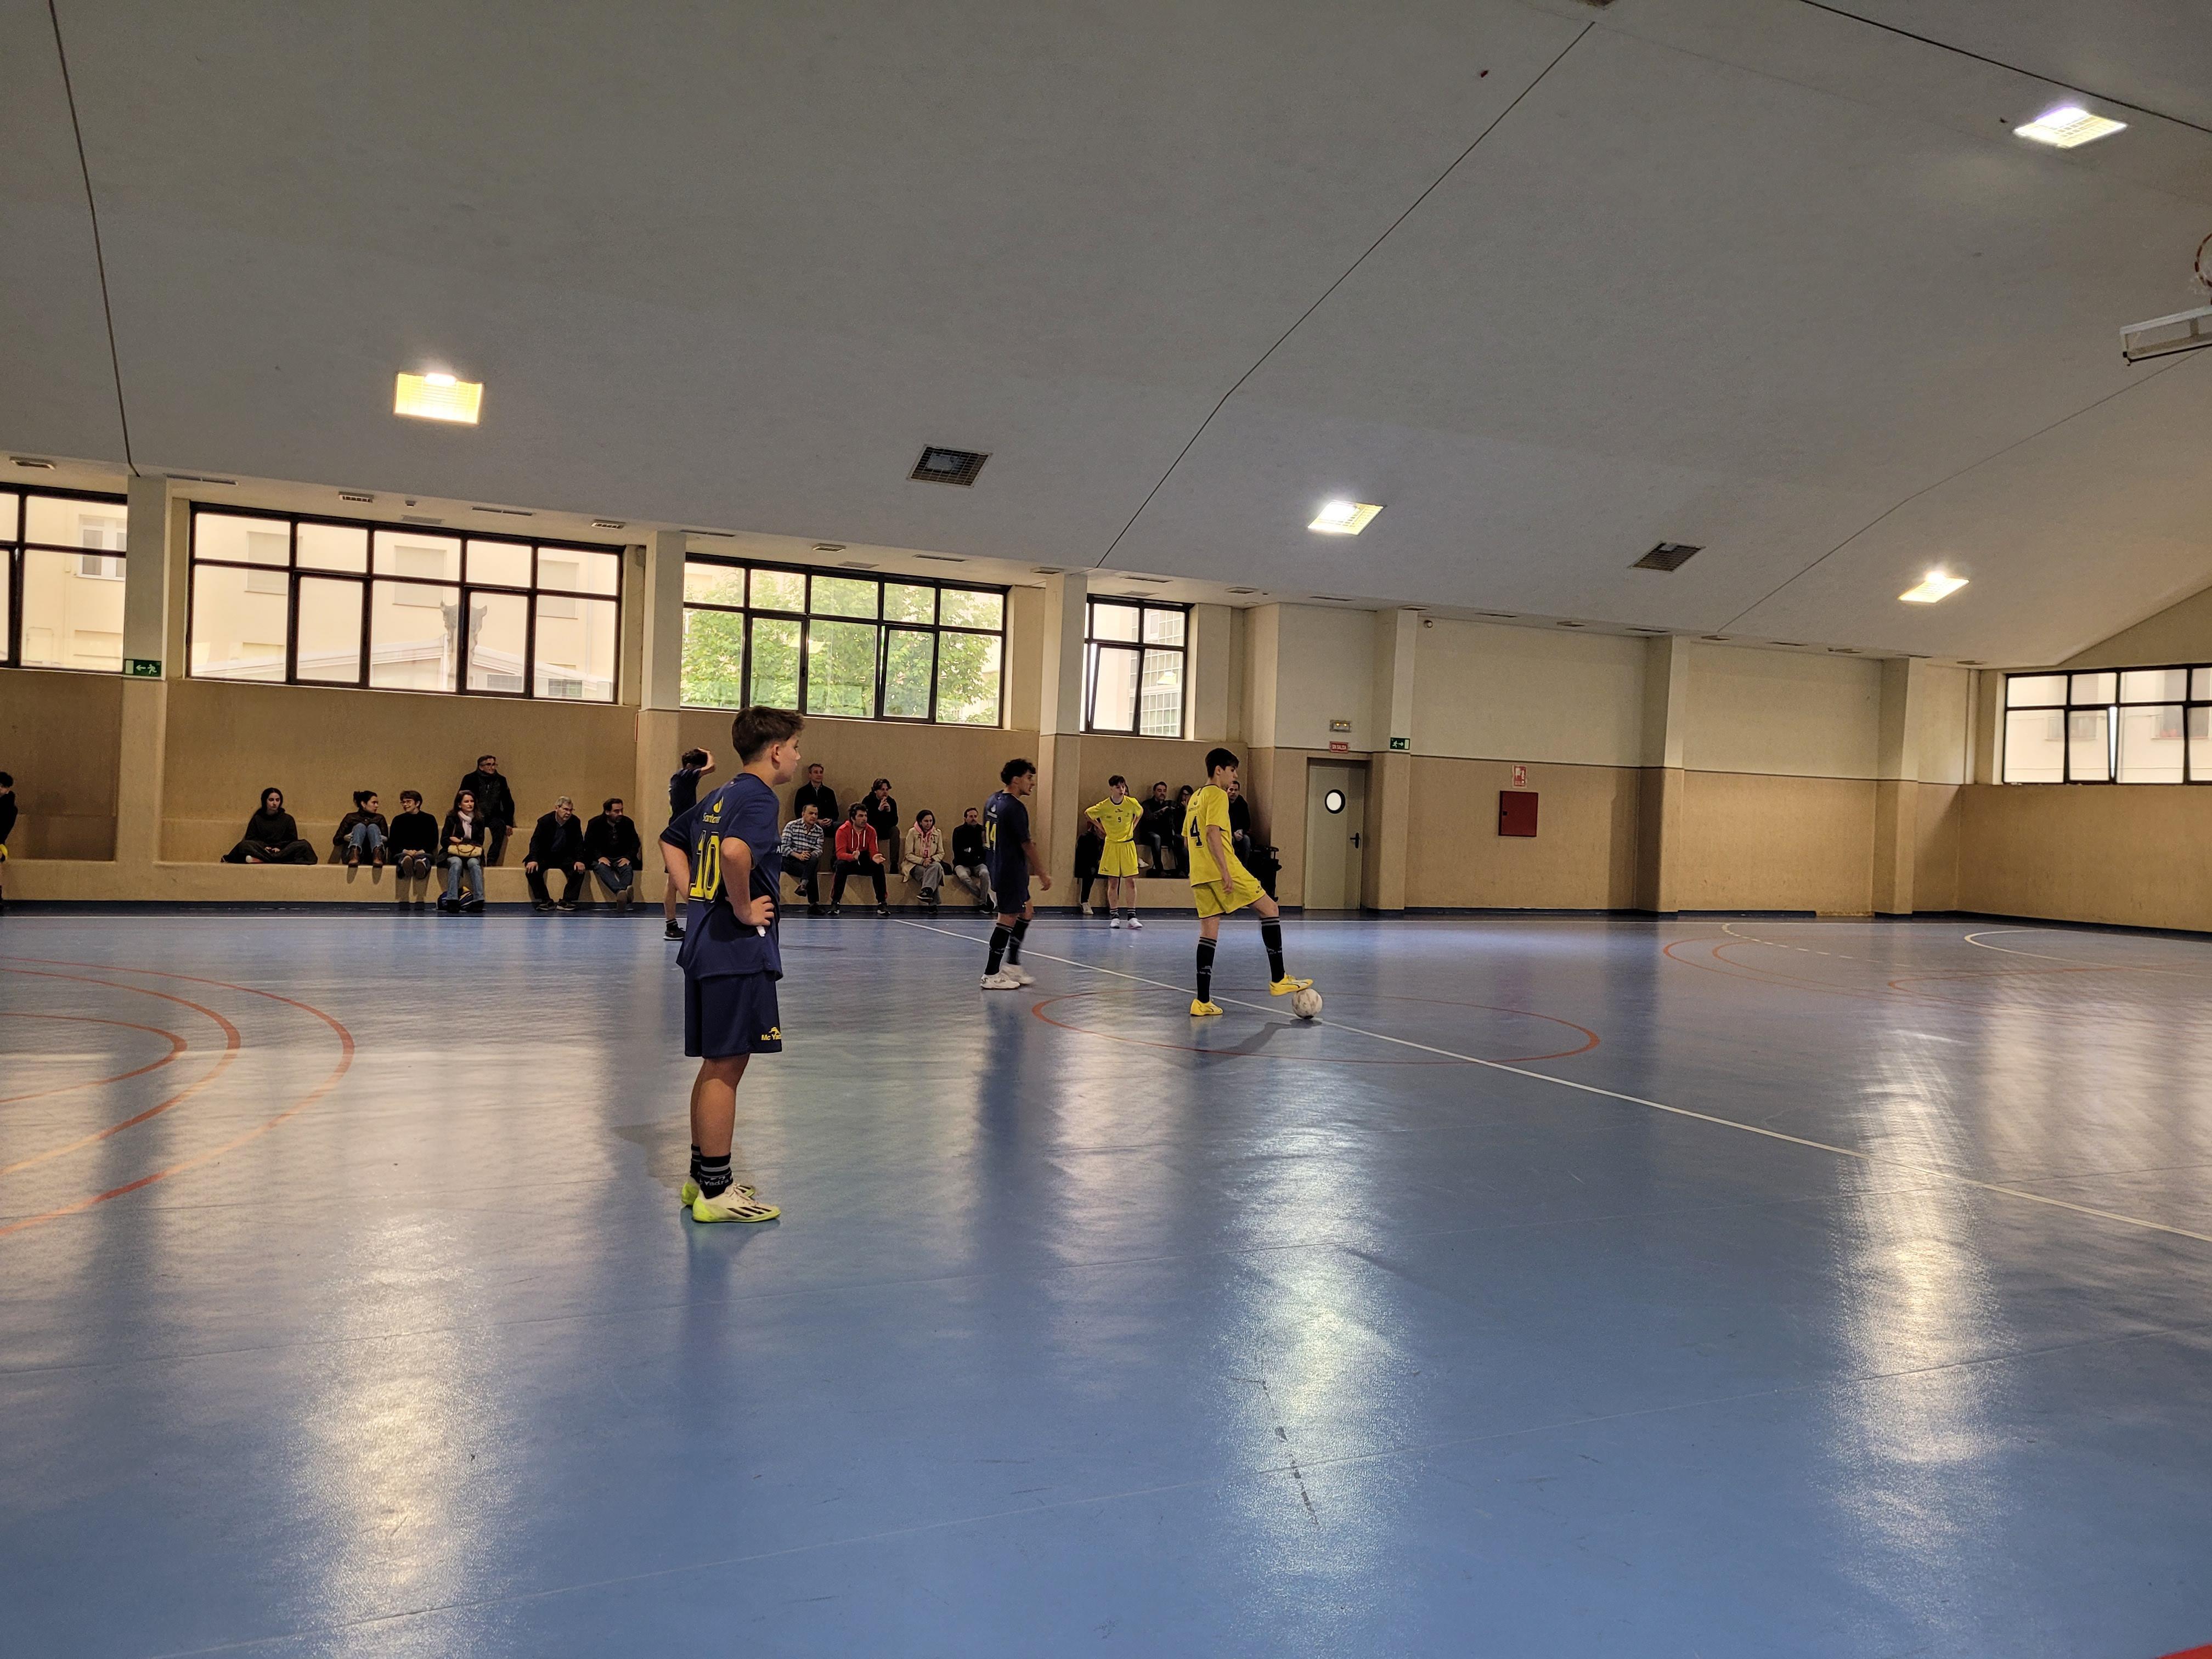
(1305, 1004)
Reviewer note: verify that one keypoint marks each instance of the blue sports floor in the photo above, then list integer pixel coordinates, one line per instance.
(1575, 1287)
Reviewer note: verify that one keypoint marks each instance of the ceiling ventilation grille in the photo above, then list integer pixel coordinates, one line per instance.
(197, 478)
(949, 466)
(1333, 598)
(504, 512)
(354, 496)
(1150, 582)
(1667, 555)
(411, 518)
(610, 524)
(940, 558)
(1244, 590)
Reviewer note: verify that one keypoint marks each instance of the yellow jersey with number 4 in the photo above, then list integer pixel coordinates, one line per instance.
(1210, 807)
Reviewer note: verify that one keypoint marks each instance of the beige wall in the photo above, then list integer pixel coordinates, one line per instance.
(2182, 632)
(1782, 713)
(1583, 856)
(1756, 841)
(1943, 722)
(1325, 671)
(1939, 813)
(2130, 855)
(58, 737)
(1487, 692)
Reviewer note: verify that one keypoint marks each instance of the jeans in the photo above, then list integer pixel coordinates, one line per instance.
(455, 868)
(872, 871)
(366, 838)
(1167, 852)
(615, 878)
(806, 875)
(976, 879)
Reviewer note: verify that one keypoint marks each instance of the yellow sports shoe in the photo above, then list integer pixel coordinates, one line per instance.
(1198, 1008)
(1285, 986)
(731, 1206)
(690, 1192)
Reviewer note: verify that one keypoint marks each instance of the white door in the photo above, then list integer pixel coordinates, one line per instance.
(1336, 816)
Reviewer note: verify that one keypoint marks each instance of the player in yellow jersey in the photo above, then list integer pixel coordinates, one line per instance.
(1221, 885)
(1116, 818)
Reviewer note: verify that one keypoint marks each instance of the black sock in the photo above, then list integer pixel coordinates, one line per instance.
(1206, 970)
(1271, 935)
(694, 1161)
(999, 937)
(1014, 949)
(715, 1175)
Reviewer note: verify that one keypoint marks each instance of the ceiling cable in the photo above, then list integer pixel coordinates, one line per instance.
(99, 255)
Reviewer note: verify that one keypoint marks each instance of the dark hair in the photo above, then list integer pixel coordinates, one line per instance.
(481, 759)
(458, 793)
(1185, 790)
(1218, 758)
(814, 766)
(1159, 783)
(880, 783)
(755, 728)
(607, 804)
(7, 780)
(858, 809)
(406, 795)
(272, 790)
(361, 797)
(924, 813)
(1117, 778)
(695, 757)
(1014, 768)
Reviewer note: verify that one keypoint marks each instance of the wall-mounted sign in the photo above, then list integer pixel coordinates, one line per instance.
(144, 668)
(1402, 743)
(1339, 726)
(1338, 746)
(1520, 777)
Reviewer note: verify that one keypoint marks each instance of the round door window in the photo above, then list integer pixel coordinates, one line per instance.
(1334, 800)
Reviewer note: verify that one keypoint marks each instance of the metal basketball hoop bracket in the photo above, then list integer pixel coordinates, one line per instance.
(2184, 331)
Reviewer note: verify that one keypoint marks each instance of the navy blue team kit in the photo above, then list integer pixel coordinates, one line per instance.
(1005, 832)
(730, 967)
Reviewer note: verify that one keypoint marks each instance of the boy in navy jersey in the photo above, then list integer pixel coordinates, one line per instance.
(731, 958)
(1011, 855)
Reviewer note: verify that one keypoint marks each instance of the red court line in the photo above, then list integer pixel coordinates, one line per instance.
(1038, 1009)
(177, 1045)
(345, 1064)
(231, 1042)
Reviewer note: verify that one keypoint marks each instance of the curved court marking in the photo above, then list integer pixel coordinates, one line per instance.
(1976, 941)
(345, 1064)
(177, 1045)
(1038, 1009)
(1880, 1158)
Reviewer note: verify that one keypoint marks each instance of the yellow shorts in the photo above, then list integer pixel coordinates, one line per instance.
(1118, 857)
(1216, 898)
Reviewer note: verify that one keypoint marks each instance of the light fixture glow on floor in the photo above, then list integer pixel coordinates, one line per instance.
(1934, 587)
(1344, 518)
(2069, 127)
(438, 397)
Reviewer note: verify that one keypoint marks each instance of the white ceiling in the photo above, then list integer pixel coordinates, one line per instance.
(1743, 273)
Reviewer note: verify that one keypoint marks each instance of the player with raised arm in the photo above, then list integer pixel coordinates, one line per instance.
(1220, 886)
(1011, 855)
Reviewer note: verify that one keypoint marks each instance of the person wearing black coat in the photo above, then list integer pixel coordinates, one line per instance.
(558, 843)
(495, 801)
(818, 795)
(271, 837)
(883, 815)
(613, 851)
(414, 842)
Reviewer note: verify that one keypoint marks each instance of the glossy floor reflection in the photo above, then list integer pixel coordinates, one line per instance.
(348, 1309)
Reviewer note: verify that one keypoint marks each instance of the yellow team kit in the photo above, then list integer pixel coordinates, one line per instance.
(1118, 818)
(1223, 891)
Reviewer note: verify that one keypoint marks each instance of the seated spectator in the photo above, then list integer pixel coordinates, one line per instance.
(612, 849)
(925, 860)
(883, 815)
(414, 839)
(497, 801)
(1090, 842)
(362, 831)
(818, 795)
(859, 855)
(7, 822)
(1260, 861)
(801, 847)
(462, 845)
(683, 795)
(1160, 829)
(271, 837)
(967, 860)
(558, 843)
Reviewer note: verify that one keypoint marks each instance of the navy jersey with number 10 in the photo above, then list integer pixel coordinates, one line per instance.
(716, 944)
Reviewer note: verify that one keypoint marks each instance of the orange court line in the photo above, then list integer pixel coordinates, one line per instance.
(177, 1045)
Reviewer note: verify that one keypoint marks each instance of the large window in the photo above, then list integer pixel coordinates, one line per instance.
(827, 642)
(327, 602)
(1133, 667)
(61, 580)
(2114, 725)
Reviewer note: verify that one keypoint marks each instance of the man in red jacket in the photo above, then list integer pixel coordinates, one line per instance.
(859, 855)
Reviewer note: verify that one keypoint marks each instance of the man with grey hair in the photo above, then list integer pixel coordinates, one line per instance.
(558, 843)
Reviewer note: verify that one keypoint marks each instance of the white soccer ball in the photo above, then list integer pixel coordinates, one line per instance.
(1305, 1004)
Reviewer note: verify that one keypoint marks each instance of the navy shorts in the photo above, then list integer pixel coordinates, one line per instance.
(731, 1014)
(1012, 890)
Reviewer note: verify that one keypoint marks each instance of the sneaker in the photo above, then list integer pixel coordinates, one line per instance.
(836, 909)
(1133, 922)
(1198, 1009)
(1001, 981)
(734, 1204)
(882, 909)
(473, 904)
(1117, 922)
(1285, 986)
(1021, 974)
(690, 1194)
(674, 930)
(544, 907)
(566, 905)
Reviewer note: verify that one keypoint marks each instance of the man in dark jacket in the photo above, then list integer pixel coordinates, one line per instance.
(612, 849)
(967, 859)
(1160, 829)
(818, 795)
(414, 843)
(558, 843)
(6, 822)
(495, 803)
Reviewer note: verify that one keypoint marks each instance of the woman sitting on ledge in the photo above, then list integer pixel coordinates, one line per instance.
(271, 837)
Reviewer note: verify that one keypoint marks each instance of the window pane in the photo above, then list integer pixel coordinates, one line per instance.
(74, 524)
(2034, 691)
(1114, 622)
(7, 575)
(2200, 685)
(714, 584)
(904, 602)
(841, 666)
(2035, 747)
(714, 659)
(959, 608)
(580, 569)
(1160, 702)
(2200, 743)
(575, 650)
(775, 662)
(968, 678)
(246, 541)
(844, 596)
(497, 624)
(2150, 744)
(2088, 758)
(71, 620)
(333, 547)
(2094, 688)
(1114, 687)
(910, 665)
(237, 633)
(500, 564)
(1164, 627)
(779, 589)
(2155, 685)
(412, 632)
(330, 630)
(7, 516)
(426, 558)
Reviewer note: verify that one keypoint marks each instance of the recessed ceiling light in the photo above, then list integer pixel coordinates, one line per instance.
(25, 460)
(1344, 518)
(354, 496)
(2069, 127)
(940, 558)
(829, 547)
(1570, 624)
(1935, 585)
(437, 397)
(1244, 590)
(505, 512)
(610, 524)
(950, 466)
(1667, 555)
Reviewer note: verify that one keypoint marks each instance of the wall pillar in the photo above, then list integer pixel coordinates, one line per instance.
(660, 682)
(1058, 799)
(1897, 788)
(1390, 770)
(1663, 783)
(143, 739)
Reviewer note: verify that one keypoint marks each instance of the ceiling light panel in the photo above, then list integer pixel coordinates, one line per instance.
(438, 397)
(1344, 518)
(1933, 586)
(2069, 127)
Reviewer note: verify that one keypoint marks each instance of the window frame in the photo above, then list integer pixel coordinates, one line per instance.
(1093, 656)
(807, 616)
(2111, 709)
(368, 576)
(12, 550)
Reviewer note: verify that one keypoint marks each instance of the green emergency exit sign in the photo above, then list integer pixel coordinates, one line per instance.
(144, 668)
(1402, 743)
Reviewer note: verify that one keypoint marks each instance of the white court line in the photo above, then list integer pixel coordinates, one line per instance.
(1975, 940)
(1636, 1100)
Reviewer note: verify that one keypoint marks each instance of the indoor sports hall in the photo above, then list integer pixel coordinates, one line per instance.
(1231, 829)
